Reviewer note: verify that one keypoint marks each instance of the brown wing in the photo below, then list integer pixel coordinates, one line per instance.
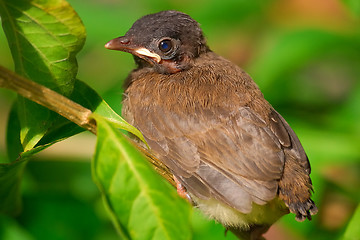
(232, 156)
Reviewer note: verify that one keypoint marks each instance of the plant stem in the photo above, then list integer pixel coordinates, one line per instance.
(47, 98)
(68, 109)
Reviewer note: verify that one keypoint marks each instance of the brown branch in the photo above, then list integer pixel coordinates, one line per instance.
(161, 168)
(47, 98)
(68, 109)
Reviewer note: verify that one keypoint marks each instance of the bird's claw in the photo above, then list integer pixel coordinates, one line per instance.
(303, 210)
(181, 190)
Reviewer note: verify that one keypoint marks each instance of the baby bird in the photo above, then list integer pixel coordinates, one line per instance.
(207, 121)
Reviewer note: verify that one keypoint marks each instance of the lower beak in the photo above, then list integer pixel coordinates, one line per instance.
(124, 44)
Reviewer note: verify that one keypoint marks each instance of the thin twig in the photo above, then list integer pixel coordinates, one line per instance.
(68, 109)
(47, 98)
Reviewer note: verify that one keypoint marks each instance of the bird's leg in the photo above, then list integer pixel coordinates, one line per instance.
(181, 190)
(255, 232)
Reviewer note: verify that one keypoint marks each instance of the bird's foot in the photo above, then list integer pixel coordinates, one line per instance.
(303, 210)
(181, 190)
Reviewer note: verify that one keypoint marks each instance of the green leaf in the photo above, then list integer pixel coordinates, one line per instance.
(44, 37)
(11, 171)
(10, 178)
(352, 231)
(13, 144)
(88, 98)
(134, 193)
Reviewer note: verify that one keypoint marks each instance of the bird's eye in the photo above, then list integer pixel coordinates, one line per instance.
(165, 45)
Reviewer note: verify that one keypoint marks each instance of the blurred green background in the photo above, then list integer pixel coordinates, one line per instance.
(305, 57)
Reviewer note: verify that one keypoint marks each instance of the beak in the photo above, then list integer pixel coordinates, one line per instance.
(124, 44)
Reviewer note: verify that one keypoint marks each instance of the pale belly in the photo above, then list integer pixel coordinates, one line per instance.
(261, 214)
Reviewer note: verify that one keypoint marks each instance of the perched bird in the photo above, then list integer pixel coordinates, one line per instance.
(205, 118)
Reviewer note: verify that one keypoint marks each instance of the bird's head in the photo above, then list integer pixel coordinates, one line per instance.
(167, 41)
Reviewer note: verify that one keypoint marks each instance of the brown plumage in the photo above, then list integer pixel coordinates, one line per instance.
(207, 120)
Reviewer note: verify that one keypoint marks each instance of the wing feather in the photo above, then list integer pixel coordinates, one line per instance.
(235, 158)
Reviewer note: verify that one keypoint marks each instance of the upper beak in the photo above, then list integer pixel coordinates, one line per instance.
(124, 44)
